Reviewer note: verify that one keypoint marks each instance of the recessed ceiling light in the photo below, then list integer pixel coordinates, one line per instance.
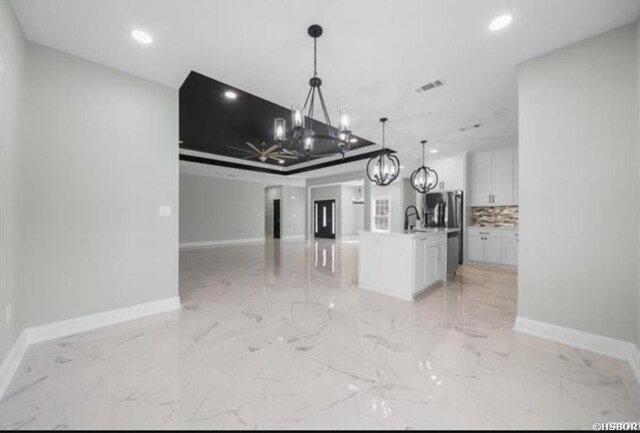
(230, 94)
(142, 37)
(281, 161)
(433, 151)
(353, 140)
(402, 166)
(500, 22)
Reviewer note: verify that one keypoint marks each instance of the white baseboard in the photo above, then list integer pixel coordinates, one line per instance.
(292, 238)
(12, 361)
(64, 328)
(223, 243)
(582, 340)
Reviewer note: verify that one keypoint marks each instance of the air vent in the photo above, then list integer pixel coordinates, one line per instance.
(428, 86)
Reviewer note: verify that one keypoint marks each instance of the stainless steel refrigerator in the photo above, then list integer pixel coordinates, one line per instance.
(444, 209)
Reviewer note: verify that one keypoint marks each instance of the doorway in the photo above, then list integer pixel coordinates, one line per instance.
(324, 219)
(276, 219)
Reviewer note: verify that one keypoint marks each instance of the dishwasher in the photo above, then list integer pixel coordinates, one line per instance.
(453, 252)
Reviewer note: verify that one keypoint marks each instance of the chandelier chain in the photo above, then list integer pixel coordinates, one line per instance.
(383, 136)
(315, 57)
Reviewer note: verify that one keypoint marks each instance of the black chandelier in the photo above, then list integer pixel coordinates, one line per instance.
(383, 168)
(424, 179)
(303, 136)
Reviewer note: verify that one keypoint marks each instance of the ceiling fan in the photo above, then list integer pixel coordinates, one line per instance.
(264, 153)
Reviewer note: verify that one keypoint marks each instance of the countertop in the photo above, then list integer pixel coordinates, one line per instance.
(411, 234)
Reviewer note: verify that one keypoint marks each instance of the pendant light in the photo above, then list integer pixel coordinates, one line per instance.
(305, 131)
(383, 168)
(424, 179)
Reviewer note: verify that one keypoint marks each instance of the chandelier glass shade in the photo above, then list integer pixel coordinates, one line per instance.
(383, 168)
(424, 179)
(304, 129)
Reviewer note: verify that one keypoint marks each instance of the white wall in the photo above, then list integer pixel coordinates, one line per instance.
(638, 120)
(100, 156)
(293, 212)
(579, 186)
(216, 209)
(352, 218)
(12, 88)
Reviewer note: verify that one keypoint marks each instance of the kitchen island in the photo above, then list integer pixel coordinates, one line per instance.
(403, 264)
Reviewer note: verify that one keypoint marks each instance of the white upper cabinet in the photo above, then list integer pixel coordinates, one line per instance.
(503, 178)
(450, 173)
(493, 178)
(480, 179)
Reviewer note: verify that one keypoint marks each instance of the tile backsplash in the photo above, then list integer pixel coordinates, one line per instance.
(498, 216)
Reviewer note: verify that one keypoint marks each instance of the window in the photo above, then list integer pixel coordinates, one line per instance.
(380, 214)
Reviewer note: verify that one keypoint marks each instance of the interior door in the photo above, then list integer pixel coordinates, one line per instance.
(325, 219)
(276, 219)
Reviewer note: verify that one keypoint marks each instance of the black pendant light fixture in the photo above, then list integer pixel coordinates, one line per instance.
(424, 179)
(303, 137)
(383, 168)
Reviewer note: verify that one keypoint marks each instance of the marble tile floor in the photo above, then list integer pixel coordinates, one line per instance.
(277, 336)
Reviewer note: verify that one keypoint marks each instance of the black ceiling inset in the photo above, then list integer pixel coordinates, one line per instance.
(215, 124)
(295, 170)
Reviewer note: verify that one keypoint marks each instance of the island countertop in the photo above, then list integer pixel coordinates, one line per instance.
(411, 234)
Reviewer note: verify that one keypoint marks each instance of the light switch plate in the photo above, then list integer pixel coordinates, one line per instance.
(164, 211)
(9, 314)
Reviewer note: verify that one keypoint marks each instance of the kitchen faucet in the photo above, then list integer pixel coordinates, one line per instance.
(406, 215)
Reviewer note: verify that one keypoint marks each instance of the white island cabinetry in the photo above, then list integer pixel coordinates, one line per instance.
(402, 264)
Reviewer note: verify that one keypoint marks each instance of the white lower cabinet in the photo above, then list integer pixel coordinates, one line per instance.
(510, 251)
(441, 261)
(493, 250)
(430, 259)
(492, 246)
(401, 265)
(420, 260)
(476, 249)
